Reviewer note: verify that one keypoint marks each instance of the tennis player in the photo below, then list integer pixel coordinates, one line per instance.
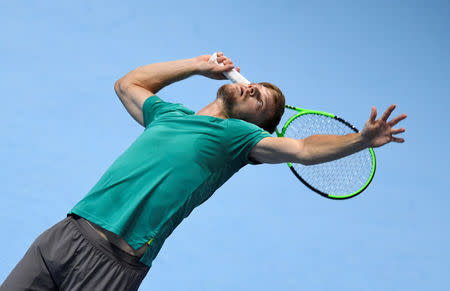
(110, 238)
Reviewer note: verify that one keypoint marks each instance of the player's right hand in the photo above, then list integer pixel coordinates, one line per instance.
(212, 70)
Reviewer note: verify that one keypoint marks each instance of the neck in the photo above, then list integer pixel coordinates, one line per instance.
(215, 109)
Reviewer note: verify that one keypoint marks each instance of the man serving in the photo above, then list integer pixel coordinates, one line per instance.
(110, 238)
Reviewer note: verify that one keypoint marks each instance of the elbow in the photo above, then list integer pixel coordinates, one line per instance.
(117, 86)
(302, 155)
(310, 160)
(305, 161)
(121, 87)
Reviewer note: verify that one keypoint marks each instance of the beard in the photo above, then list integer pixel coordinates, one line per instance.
(227, 94)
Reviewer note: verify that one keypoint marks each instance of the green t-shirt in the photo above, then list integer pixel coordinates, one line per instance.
(175, 165)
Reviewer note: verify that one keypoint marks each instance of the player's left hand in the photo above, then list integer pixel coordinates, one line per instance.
(212, 70)
(380, 132)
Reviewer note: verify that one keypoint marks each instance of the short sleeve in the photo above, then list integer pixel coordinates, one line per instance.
(242, 136)
(155, 108)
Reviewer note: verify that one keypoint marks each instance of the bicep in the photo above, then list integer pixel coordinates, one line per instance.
(275, 150)
(132, 97)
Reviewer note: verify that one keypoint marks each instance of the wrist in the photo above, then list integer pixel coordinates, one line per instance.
(363, 140)
(196, 66)
(185, 68)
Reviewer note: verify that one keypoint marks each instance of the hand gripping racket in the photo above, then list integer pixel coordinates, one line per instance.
(339, 179)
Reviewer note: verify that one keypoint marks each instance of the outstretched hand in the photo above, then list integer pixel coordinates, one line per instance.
(212, 70)
(380, 132)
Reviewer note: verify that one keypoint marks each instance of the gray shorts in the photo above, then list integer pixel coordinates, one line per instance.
(72, 256)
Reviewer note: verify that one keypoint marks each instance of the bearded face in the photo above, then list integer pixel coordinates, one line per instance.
(227, 93)
(250, 102)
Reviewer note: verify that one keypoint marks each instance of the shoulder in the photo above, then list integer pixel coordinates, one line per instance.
(242, 126)
(156, 101)
(155, 108)
(242, 136)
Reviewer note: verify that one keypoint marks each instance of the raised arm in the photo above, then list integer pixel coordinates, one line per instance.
(318, 149)
(139, 84)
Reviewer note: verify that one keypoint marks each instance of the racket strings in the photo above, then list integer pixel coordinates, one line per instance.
(340, 177)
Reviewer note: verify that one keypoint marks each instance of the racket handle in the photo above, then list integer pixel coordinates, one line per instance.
(233, 75)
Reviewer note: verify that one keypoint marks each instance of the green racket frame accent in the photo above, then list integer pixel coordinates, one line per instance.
(307, 111)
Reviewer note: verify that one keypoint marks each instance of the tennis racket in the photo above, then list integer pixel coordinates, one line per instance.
(339, 179)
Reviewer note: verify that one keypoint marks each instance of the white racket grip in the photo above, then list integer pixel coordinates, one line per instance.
(233, 75)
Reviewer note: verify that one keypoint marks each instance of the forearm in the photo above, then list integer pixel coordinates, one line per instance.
(324, 148)
(154, 77)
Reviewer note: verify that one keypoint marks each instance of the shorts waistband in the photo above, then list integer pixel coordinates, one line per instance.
(109, 249)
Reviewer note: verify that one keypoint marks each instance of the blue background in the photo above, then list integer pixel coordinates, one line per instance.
(62, 126)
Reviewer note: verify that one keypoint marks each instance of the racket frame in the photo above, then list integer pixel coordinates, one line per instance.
(307, 111)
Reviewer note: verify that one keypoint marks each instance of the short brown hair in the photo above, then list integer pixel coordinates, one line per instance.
(271, 123)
